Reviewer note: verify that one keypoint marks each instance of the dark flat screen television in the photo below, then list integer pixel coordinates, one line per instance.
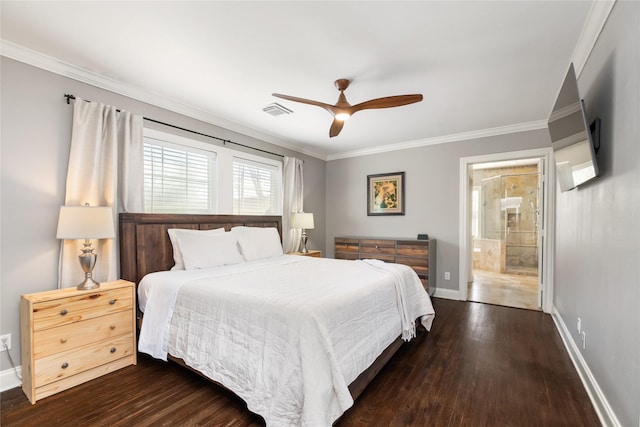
(572, 139)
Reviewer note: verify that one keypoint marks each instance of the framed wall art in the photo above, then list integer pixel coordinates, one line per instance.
(385, 194)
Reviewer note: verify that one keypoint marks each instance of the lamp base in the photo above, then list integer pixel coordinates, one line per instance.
(304, 242)
(87, 262)
(88, 283)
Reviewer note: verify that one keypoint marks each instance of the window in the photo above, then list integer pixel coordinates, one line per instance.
(178, 178)
(183, 175)
(255, 188)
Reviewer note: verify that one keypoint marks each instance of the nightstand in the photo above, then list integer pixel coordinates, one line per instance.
(313, 253)
(70, 337)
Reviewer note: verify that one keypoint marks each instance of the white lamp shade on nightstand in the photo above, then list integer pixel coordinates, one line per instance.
(85, 222)
(305, 222)
(302, 220)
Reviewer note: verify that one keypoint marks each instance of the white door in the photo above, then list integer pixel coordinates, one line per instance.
(540, 223)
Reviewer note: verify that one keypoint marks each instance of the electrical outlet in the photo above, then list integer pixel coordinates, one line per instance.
(583, 335)
(5, 342)
(447, 275)
(579, 325)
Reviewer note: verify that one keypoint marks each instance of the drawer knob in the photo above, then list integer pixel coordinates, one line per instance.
(65, 365)
(111, 302)
(113, 350)
(63, 312)
(112, 327)
(377, 247)
(63, 340)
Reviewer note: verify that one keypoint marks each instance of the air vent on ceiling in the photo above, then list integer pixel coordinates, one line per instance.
(276, 109)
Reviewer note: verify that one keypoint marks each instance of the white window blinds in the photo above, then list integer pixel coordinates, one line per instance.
(256, 188)
(178, 178)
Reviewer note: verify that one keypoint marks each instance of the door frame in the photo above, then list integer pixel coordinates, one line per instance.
(547, 227)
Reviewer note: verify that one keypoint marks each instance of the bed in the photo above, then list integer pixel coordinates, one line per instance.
(297, 338)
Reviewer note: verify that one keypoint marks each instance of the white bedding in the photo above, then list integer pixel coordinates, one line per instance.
(286, 334)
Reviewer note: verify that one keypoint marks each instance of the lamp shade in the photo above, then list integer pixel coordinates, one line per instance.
(302, 220)
(85, 222)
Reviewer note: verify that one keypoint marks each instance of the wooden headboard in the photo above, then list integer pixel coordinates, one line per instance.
(144, 242)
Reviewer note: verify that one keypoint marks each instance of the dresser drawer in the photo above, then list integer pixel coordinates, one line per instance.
(55, 340)
(347, 255)
(377, 247)
(63, 311)
(415, 249)
(68, 363)
(418, 264)
(347, 245)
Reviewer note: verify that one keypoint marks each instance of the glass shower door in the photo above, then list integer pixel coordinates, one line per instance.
(519, 208)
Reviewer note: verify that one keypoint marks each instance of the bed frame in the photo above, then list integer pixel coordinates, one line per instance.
(145, 248)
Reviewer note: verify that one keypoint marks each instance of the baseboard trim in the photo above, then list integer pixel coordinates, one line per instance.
(447, 293)
(9, 379)
(600, 403)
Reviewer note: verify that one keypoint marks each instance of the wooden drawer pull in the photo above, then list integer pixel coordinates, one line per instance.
(112, 327)
(63, 340)
(65, 365)
(113, 350)
(63, 312)
(111, 302)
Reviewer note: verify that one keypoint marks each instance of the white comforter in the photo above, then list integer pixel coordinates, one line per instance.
(287, 334)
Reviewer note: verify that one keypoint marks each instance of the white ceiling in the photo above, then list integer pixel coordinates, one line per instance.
(483, 67)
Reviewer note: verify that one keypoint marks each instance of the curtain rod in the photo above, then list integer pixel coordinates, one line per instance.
(224, 141)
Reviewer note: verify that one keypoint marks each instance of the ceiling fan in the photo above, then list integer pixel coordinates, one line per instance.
(342, 110)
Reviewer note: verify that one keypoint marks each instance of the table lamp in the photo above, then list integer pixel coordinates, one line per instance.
(86, 222)
(305, 222)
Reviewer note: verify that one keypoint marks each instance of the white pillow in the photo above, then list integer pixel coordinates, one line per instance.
(209, 250)
(258, 242)
(177, 253)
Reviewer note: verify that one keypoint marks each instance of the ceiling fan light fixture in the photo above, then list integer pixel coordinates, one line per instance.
(342, 116)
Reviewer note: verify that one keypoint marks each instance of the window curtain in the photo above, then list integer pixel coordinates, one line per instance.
(105, 169)
(293, 198)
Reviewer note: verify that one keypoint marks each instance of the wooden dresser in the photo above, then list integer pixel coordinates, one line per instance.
(417, 254)
(70, 337)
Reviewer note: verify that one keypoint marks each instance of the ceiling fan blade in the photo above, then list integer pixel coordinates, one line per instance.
(336, 127)
(387, 102)
(327, 107)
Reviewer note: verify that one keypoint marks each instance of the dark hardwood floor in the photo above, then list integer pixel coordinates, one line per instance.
(481, 365)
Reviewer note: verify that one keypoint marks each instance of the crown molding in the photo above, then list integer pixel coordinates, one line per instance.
(464, 136)
(37, 59)
(593, 26)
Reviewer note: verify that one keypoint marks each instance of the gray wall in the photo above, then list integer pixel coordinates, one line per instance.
(432, 194)
(35, 138)
(597, 226)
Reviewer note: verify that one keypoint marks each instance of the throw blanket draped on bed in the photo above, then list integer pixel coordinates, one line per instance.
(288, 334)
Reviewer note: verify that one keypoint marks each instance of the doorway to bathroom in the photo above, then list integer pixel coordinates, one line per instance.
(505, 210)
(506, 230)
